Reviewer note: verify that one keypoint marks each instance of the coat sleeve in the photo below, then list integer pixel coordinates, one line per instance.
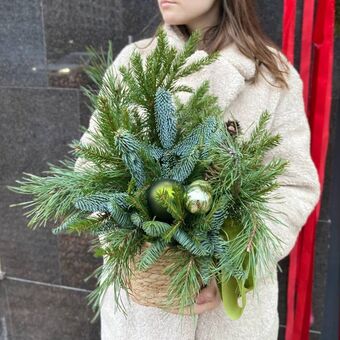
(122, 58)
(299, 190)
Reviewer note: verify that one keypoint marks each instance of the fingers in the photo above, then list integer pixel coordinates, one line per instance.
(198, 309)
(205, 295)
(207, 299)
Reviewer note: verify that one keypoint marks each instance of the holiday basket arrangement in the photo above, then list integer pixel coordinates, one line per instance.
(172, 194)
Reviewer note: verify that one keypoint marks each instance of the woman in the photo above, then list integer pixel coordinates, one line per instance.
(250, 76)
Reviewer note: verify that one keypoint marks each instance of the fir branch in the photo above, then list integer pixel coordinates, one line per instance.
(129, 148)
(152, 166)
(137, 220)
(184, 167)
(169, 233)
(93, 203)
(155, 228)
(99, 62)
(260, 140)
(165, 118)
(184, 240)
(151, 254)
(179, 69)
(99, 156)
(119, 215)
(206, 266)
(68, 221)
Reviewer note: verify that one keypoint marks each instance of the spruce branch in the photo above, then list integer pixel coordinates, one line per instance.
(165, 118)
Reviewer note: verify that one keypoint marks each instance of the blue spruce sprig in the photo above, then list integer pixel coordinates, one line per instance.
(165, 118)
(129, 148)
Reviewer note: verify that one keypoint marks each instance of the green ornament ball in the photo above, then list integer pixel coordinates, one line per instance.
(198, 197)
(155, 206)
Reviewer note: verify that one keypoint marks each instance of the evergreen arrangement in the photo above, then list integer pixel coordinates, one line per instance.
(169, 173)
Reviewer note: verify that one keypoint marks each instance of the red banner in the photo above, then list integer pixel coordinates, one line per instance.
(317, 77)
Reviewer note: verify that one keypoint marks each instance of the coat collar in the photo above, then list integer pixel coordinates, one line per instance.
(244, 65)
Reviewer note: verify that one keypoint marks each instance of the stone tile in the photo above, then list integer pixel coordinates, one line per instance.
(67, 35)
(85, 109)
(22, 53)
(141, 21)
(41, 312)
(34, 123)
(270, 13)
(328, 181)
(320, 273)
(314, 336)
(76, 262)
(72, 25)
(36, 127)
(298, 32)
(26, 253)
(5, 321)
(319, 281)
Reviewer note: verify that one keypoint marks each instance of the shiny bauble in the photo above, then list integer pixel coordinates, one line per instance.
(198, 197)
(155, 206)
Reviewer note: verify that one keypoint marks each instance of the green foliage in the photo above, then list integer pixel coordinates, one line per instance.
(174, 205)
(185, 282)
(144, 133)
(165, 118)
(69, 222)
(155, 228)
(119, 248)
(152, 254)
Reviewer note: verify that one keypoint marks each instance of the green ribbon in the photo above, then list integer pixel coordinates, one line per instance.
(233, 288)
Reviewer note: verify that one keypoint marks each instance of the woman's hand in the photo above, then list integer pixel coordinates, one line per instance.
(208, 298)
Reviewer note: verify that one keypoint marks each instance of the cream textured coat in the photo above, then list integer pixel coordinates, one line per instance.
(300, 191)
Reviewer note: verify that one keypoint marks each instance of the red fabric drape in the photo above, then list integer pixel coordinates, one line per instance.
(288, 45)
(317, 78)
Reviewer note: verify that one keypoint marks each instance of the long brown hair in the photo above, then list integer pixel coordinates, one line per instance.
(239, 23)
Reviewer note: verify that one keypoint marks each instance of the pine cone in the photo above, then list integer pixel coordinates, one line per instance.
(211, 172)
(233, 127)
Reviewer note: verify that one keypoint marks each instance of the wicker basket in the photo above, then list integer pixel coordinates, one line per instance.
(150, 287)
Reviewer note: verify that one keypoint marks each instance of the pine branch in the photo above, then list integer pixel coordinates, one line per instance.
(119, 248)
(185, 282)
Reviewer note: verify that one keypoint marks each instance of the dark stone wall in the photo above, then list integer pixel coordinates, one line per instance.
(44, 293)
